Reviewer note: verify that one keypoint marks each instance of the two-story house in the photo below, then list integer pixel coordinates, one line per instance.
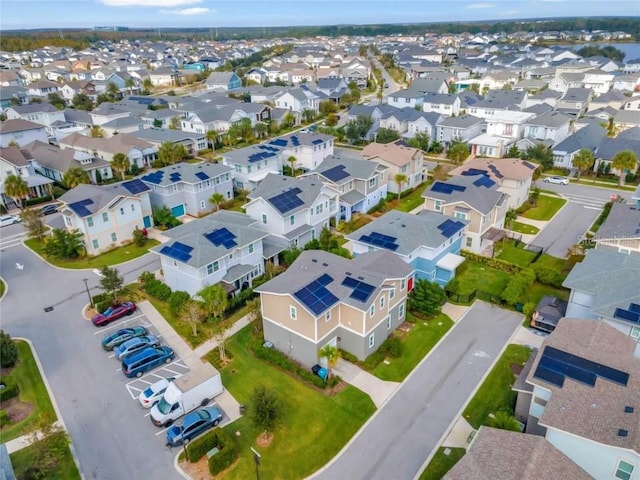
(323, 299)
(445, 104)
(461, 128)
(21, 132)
(186, 188)
(225, 247)
(553, 126)
(297, 99)
(503, 130)
(360, 183)
(588, 137)
(224, 81)
(252, 164)
(429, 242)
(192, 142)
(40, 113)
(140, 152)
(575, 101)
(107, 215)
(423, 122)
(295, 209)
(399, 160)
(19, 162)
(309, 149)
(598, 80)
(475, 198)
(406, 98)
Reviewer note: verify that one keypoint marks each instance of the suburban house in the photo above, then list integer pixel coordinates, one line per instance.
(252, 164)
(223, 81)
(19, 162)
(406, 98)
(575, 101)
(620, 232)
(514, 176)
(107, 215)
(588, 137)
(360, 183)
(53, 162)
(461, 128)
(309, 149)
(78, 87)
(585, 381)
(548, 313)
(21, 132)
(298, 99)
(220, 119)
(333, 88)
(225, 247)
(445, 104)
(323, 299)
(192, 142)
(296, 209)
(552, 125)
(502, 130)
(186, 188)
(164, 76)
(604, 287)
(40, 113)
(429, 242)
(423, 122)
(399, 160)
(140, 152)
(609, 147)
(475, 198)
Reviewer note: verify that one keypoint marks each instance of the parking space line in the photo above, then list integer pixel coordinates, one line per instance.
(162, 431)
(118, 324)
(169, 370)
(119, 370)
(147, 414)
(112, 355)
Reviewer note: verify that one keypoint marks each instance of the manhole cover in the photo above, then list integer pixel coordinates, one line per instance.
(48, 309)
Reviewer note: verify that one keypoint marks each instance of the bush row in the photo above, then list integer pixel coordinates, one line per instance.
(10, 389)
(4, 418)
(102, 305)
(491, 262)
(226, 456)
(156, 288)
(391, 347)
(201, 445)
(518, 285)
(548, 276)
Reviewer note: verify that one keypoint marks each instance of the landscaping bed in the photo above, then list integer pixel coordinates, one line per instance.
(524, 228)
(65, 468)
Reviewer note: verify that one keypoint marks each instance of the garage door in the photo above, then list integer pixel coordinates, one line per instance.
(177, 211)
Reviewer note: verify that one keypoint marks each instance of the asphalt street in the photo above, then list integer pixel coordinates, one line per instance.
(400, 437)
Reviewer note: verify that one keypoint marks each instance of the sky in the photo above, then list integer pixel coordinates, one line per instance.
(15, 14)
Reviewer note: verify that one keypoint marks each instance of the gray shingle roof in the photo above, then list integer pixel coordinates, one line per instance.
(461, 121)
(100, 196)
(587, 137)
(187, 172)
(353, 168)
(550, 119)
(481, 198)
(609, 147)
(623, 222)
(274, 184)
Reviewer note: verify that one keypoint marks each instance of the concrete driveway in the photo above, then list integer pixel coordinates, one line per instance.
(399, 438)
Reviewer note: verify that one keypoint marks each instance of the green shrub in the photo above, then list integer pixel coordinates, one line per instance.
(145, 277)
(4, 418)
(239, 301)
(176, 300)
(392, 347)
(201, 445)
(491, 262)
(100, 297)
(226, 456)
(157, 289)
(37, 201)
(8, 351)
(10, 389)
(349, 357)
(102, 306)
(518, 285)
(548, 276)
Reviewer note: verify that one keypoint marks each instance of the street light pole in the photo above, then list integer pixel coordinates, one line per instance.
(86, 286)
(256, 460)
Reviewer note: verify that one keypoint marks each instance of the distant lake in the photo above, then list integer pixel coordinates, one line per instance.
(631, 50)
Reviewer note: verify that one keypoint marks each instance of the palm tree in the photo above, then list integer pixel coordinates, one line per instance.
(505, 421)
(130, 83)
(121, 164)
(400, 179)
(216, 199)
(211, 137)
(332, 355)
(17, 188)
(147, 84)
(611, 128)
(75, 176)
(458, 153)
(292, 160)
(624, 161)
(261, 129)
(510, 217)
(583, 161)
(113, 91)
(97, 132)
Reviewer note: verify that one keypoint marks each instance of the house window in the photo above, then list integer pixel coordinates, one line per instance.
(460, 215)
(403, 284)
(202, 204)
(624, 470)
(105, 217)
(212, 268)
(327, 316)
(372, 310)
(292, 219)
(229, 194)
(133, 207)
(226, 177)
(401, 311)
(293, 313)
(114, 237)
(122, 211)
(94, 243)
(318, 209)
(264, 218)
(90, 221)
(469, 242)
(388, 322)
(67, 221)
(635, 332)
(251, 248)
(175, 188)
(372, 182)
(392, 293)
(372, 340)
(437, 205)
(381, 302)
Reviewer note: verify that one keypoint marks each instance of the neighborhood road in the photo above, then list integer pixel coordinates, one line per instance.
(400, 437)
(110, 433)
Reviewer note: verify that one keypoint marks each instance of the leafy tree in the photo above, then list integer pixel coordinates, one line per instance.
(436, 147)
(331, 353)
(51, 444)
(64, 244)
(504, 421)
(163, 217)
(358, 128)
(290, 254)
(121, 163)
(510, 217)
(420, 140)
(174, 123)
(458, 153)
(583, 161)
(254, 309)
(139, 237)
(326, 107)
(332, 120)
(147, 85)
(192, 313)
(427, 297)
(75, 176)
(292, 160)
(518, 285)
(111, 281)
(17, 188)
(171, 153)
(216, 199)
(211, 137)
(157, 123)
(97, 132)
(608, 51)
(534, 194)
(8, 351)
(387, 135)
(80, 101)
(289, 120)
(625, 160)
(55, 100)
(399, 178)
(260, 129)
(176, 301)
(541, 154)
(308, 115)
(265, 409)
(32, 221)
(130, 84)
(513, 151)
(113, 91)
(215, 300)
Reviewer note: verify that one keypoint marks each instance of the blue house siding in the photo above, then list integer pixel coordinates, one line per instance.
(426, 269)
(234, 82)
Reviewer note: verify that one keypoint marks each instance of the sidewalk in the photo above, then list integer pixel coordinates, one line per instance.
(455, 312)
(26, 440)
(377, 389)
(210, 344)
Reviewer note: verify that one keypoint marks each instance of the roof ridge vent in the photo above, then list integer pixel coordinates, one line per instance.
(623, 433)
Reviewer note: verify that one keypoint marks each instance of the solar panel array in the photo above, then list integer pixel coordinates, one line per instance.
(155, 177)
(317, 141)
(447, 188)
(335, 174)
(221, 236)
(202, 175)
(280, 142)
(315, 295)
(178, 251)
(380, 240)
(495, 171)
(484, 181)
(263, 155)
(631, 314)
(530, 165)
(295, 141)
(175, 177)
(81, 207)
(472, 172)
(135, 186)
(268, 148)
(287, 201)
(449, 227)
(556, 365)
(361, 290)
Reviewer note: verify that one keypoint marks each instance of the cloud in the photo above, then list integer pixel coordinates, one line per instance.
(149, 3)
(188, 11)
(481, 5)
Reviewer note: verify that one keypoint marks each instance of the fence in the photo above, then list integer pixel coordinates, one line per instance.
(470, 297)
(534, 248)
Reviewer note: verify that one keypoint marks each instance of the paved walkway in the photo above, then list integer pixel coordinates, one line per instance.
(26, 440)
(455, 312)
(528, 338)
(212, 343)
(378, 390)
(460, 435)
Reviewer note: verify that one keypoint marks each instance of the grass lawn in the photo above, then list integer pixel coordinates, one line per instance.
(549, 192)
(32, 391)
(65, 468)
(354, 224)
(519, 256)
(546, 208)
(314, 428)
(605, 184)
(113, 257)
(411, 201)
(440, 464)
(525, 228)
(416, 344)
(472, 276)
(495, 393)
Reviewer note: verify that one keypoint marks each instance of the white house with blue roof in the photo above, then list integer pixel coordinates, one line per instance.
(309, 149)
(429, 242)
(252, 164)
(107, 215)
(185, 188)
(225, 247)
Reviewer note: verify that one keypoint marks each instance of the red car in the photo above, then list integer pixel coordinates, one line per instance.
(114, 312)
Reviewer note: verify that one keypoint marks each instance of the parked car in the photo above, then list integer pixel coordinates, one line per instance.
(120, 336)
(135, 365)
(49, 209)
(9, 220)
(134, 345)
(113, 313)
(193, 425)
(153, 393)
(557, 180)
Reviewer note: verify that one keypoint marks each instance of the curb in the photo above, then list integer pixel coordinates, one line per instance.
(181, 472)
(53, 402)
(6, 288)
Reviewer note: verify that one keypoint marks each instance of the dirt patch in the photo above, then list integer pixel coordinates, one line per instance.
(264, 441)
(516, 369)
(198, 470)
(17, 410)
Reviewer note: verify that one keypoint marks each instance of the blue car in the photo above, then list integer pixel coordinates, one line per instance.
(134, 345)
(193, 425)
(149, 358)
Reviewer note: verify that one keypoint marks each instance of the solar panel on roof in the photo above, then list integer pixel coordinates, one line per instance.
(447, 188)
(315, 296)
(81, 207)
(549, 376)
(135, 186)
(176, 253)
(221, 236)
(175, 177)
(279, 141)
(634, 307)
(335, 174)
(627, 315)
(202, 175)
(361, 290)
(380, 240)
(449, 227)
(182, 247)
(473, 172)
(287, 201)
(317, 141)
(484, 181)
(155, 177)
(325, 279)
(295, 141)
(495, 171)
